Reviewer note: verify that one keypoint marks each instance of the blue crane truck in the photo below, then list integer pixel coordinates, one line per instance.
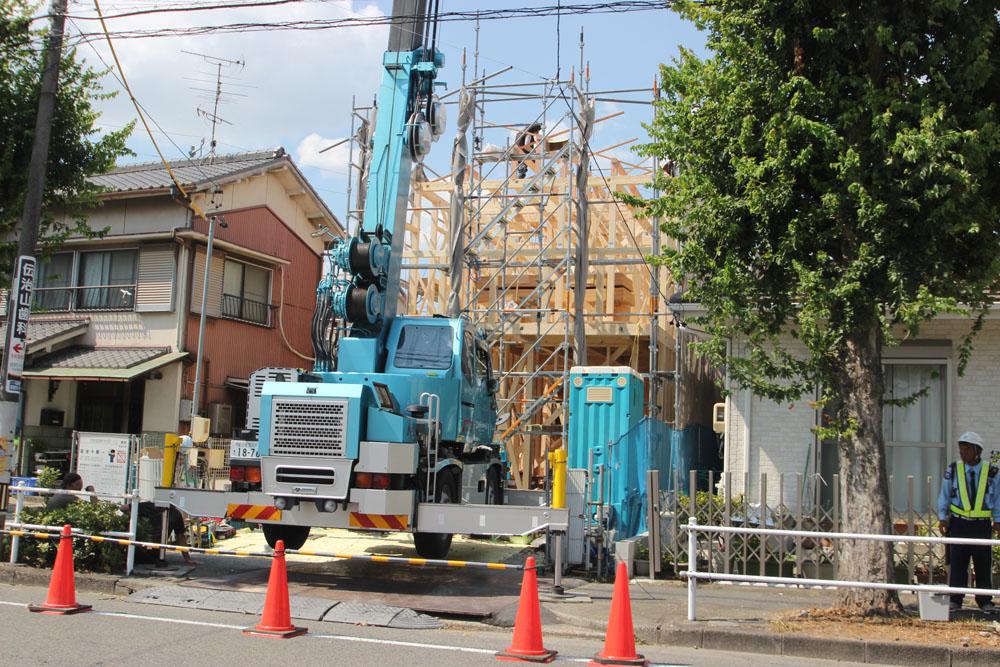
(393, 428)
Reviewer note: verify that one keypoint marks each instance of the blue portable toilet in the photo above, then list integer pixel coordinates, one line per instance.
(605, 404)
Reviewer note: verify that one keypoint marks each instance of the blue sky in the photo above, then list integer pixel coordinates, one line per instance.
(295, 88)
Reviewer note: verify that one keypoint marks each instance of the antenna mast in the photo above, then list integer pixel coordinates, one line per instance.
(216, 96)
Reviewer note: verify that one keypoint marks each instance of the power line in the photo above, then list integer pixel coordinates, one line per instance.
(617, 7)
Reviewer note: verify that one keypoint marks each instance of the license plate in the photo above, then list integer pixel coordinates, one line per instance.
(243, 449)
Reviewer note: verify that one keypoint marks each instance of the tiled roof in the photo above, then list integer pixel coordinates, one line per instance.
(100, 357)
(40, 331)
(154, 176)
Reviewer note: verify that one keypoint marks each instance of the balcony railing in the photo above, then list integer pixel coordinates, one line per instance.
(98, 297)
(247, 310)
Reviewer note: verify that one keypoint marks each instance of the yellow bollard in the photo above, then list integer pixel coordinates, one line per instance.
(171, 445)
(557, 460)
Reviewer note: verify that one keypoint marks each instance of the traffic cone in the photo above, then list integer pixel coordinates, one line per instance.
(277, 618)
(619, 642)
(62, 587)
(527, 643)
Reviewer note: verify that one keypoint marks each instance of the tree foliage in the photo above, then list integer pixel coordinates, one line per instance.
(77, 147)
(838, 185)
(838, 172)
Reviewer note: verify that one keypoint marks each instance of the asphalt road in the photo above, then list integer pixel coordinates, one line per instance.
(123, 633)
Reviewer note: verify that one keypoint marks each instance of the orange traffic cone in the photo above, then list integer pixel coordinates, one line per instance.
(277, 619)
(62, 587)
(619, 642)
(527, 643)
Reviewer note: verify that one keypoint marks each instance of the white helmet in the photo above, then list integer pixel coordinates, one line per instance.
(972, 438)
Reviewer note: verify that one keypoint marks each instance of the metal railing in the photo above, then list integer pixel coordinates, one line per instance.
(87, 298)
(692, 574)
(807, 504)
(246, 310)
(133, 521)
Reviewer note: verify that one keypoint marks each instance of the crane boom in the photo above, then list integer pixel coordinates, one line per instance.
(406, 124)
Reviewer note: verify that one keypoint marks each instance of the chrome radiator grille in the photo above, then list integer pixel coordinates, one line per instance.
(308, 427)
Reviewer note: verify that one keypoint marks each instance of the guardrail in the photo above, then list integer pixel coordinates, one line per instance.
(693, 575)
(133, 523)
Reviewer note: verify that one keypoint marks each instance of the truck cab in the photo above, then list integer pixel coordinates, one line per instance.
(377, 444)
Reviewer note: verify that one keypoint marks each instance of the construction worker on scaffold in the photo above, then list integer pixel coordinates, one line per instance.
(969, 506)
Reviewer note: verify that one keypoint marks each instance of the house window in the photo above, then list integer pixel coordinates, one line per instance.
(106, 280)
(53, 288)
(915, 432)
(246, 291)
(914, 435)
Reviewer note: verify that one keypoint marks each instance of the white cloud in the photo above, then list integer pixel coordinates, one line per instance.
(308, 154)
(296, 82)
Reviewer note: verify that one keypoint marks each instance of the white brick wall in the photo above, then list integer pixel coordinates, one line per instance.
(781, 440)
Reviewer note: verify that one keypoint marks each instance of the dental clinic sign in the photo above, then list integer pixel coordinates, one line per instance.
(17, 327)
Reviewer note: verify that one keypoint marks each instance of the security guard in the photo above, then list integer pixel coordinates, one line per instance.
(969, 500)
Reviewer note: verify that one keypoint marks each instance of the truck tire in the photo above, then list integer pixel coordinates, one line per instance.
(437, 545)
(293, 536)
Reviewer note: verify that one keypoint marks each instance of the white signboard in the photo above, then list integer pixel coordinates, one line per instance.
(102, 461)
(17, 328)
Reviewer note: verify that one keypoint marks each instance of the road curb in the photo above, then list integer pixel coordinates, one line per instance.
(763, 642)
(93, 582)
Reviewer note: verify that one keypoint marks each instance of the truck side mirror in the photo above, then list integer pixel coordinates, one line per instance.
(492, 385)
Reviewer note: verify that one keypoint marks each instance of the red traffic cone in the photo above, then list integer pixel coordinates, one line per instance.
(619, 642)
(62, 587)
(277, 618)
(527, 643)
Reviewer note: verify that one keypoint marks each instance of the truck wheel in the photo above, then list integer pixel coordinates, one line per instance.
(437, 545)
(293, 536)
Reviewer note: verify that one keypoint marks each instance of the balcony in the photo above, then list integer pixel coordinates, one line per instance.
(246, 310)
(91, 298)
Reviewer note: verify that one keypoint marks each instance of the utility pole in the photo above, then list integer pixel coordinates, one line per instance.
(23, 277)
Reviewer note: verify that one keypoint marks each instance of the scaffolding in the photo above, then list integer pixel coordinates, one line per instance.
(525, 236)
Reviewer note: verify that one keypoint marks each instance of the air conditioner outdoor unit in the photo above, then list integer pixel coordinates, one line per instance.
(221, 417)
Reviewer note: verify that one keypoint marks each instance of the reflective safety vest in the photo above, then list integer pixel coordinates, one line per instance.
(968, 510)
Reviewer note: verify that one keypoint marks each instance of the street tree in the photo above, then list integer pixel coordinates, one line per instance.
(77, 148)
(838, 183)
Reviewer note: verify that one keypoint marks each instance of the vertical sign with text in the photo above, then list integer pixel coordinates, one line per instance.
(17, 326)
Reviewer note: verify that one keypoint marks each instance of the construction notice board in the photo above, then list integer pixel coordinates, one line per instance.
(102, 461)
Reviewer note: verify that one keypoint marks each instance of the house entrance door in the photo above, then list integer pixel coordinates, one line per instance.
(99, 406)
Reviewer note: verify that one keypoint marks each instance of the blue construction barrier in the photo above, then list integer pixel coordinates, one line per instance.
(653, 445)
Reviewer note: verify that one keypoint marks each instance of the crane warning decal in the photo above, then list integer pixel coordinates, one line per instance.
(380, 521)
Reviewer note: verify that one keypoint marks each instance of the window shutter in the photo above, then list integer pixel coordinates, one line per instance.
(214, 306)
(155, 284)
(4, 296)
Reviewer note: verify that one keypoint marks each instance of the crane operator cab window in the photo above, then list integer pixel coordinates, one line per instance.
(424, 346)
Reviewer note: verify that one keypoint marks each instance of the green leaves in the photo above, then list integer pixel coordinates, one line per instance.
(839, 172)
(76, 150)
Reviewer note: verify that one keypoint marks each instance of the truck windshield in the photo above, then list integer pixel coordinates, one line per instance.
(422, 346)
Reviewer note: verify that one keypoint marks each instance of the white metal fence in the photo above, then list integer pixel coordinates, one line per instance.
(133, 523)
(693, 574)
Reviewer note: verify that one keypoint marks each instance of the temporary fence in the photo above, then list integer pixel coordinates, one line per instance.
(692, 574)
(17, 529)
(53, 532)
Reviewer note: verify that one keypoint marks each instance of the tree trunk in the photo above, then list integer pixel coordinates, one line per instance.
(863, 479)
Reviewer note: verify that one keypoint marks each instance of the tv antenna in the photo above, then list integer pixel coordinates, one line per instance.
(215, 96)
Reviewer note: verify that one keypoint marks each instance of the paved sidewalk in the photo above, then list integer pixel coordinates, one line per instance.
(738, 618)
